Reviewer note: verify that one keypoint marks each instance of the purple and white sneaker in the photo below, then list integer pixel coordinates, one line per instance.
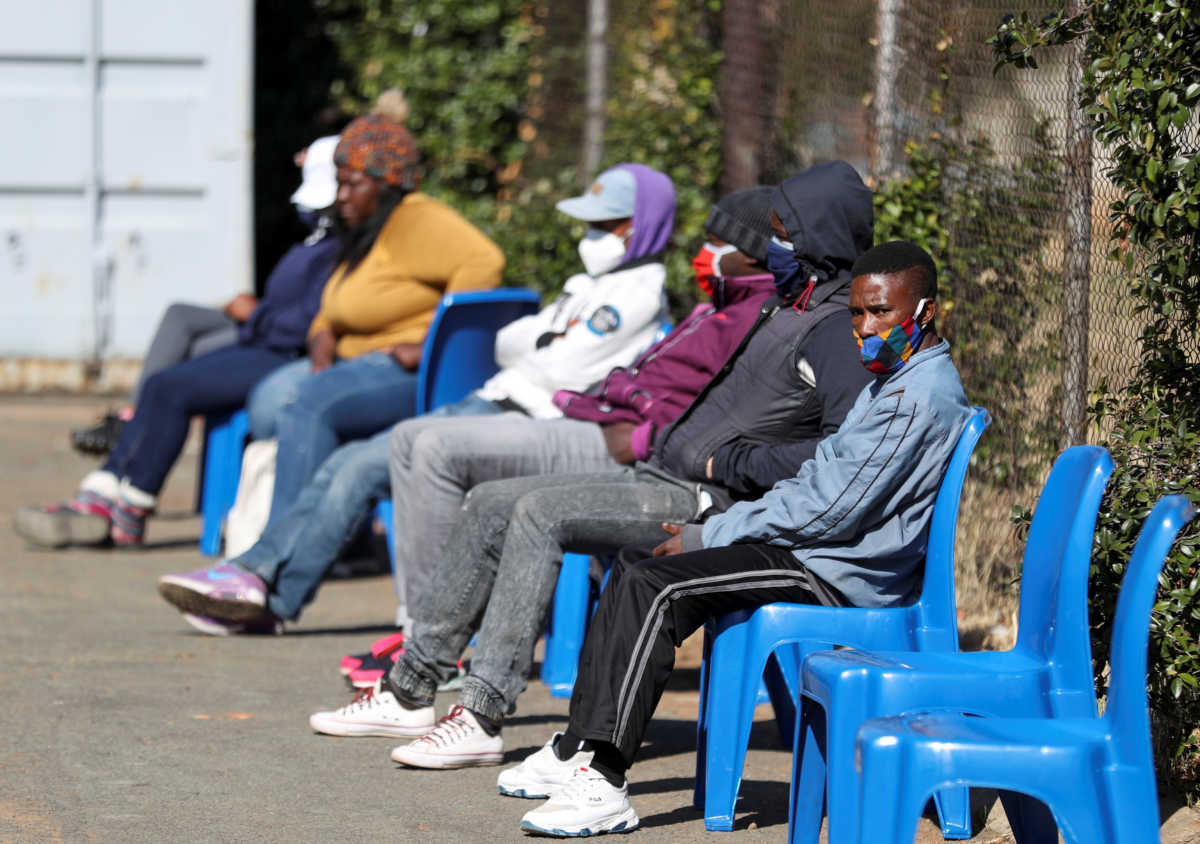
(224, 592)
(216, 627)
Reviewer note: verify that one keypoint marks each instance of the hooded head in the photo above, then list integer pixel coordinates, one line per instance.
(830, 221)
(629, 192)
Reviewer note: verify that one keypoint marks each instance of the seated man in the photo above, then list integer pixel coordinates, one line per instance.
(789, 384)
(851, 525)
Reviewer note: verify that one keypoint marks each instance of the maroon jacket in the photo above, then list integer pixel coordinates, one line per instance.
(659, 385)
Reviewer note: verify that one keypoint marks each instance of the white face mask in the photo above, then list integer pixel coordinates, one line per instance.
(602, 251)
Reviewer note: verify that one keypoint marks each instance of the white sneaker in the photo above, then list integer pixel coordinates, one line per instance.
(458, 741)
(374, 712)
(587, 805)
(542, 774)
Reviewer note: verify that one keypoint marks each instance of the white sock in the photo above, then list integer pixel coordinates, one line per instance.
(133, 496)
(101, 483)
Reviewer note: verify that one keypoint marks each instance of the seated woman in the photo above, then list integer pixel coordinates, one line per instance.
(404, 250)
(112, 503)
(188, 331)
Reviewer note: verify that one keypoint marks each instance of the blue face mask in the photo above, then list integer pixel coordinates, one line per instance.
(308, 217)
(783, 264)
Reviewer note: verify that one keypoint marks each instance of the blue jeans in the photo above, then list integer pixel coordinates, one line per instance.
(350, 400)
(297, 549)
(217, 381)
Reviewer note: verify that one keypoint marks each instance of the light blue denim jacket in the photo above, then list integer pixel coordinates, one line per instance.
(857, 514)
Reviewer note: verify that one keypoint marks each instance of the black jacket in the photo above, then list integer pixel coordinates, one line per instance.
(795, 375)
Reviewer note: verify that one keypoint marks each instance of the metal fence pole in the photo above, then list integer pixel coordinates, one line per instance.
(1077, 253)
(742, 86)
(887, 69)
(597, 87)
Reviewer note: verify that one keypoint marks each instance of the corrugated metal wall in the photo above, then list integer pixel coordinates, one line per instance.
(125, 169)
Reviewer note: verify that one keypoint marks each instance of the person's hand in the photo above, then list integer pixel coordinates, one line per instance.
(618, 438)
(241, 306)
(407, 355)
(708, 468)
(321, 348)
(672, 546)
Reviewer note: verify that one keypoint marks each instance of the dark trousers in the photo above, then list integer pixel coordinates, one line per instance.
(211, 383)
(651, 604)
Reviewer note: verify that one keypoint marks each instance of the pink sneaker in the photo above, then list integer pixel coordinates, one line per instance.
(380, 648)
(216, 627)
(128, 524)
(224, 592)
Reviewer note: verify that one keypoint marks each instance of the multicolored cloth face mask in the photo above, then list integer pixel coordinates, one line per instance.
(889, 351)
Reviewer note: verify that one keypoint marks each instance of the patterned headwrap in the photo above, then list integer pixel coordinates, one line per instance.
(381, 148)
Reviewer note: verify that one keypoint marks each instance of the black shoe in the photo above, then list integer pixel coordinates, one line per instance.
(100, 439)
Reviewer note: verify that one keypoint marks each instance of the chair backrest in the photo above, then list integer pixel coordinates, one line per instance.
(1126, 707)
(1053, 625)
(939, 615)
(459, 353)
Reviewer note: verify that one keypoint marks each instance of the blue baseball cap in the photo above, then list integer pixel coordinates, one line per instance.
(610, 197)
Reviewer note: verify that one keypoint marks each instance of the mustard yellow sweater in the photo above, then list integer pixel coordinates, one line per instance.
(424, 250)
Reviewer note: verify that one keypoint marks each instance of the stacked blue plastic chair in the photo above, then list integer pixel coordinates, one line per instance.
(574, 603)
(739, 646)
(1048, 673)
(1096, 774)
(458, 356)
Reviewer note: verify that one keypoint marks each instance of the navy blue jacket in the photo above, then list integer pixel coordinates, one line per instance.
(292, 296)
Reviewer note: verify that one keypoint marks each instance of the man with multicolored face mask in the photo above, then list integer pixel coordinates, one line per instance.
(850, 528)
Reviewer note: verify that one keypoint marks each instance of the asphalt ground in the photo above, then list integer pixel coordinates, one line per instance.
(120, 724)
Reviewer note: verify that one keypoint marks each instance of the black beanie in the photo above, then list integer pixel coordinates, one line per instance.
(743, 218)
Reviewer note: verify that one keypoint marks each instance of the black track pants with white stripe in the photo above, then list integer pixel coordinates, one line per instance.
(651, 604)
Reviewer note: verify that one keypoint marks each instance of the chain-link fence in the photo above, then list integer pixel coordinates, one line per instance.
(905, 91)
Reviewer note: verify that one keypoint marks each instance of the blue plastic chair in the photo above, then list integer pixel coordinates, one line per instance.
(574, 603)
(458, 356)
(1096, 774)
(741, 646)
(569, 616)
(1048, 673)
(224, 438)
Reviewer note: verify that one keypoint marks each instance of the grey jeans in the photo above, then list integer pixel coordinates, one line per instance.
(433, 463)
(500, 567)
(185, 332)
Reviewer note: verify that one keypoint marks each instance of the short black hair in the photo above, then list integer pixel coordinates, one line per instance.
(900, 257)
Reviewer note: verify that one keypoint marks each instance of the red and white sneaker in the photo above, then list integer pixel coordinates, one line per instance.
(458, 741)
(374, 712)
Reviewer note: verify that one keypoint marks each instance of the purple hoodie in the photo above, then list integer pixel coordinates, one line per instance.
(653, 212)
(670, 374)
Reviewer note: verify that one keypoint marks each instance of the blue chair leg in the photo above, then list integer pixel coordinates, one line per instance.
(699, 786)
(222, 472)
(385, 514)
(730, 714)
(806, 806)
(568, 624)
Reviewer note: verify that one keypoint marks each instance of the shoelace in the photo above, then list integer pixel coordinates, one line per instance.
(363, 699)
(450, 728)
(578, 786)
